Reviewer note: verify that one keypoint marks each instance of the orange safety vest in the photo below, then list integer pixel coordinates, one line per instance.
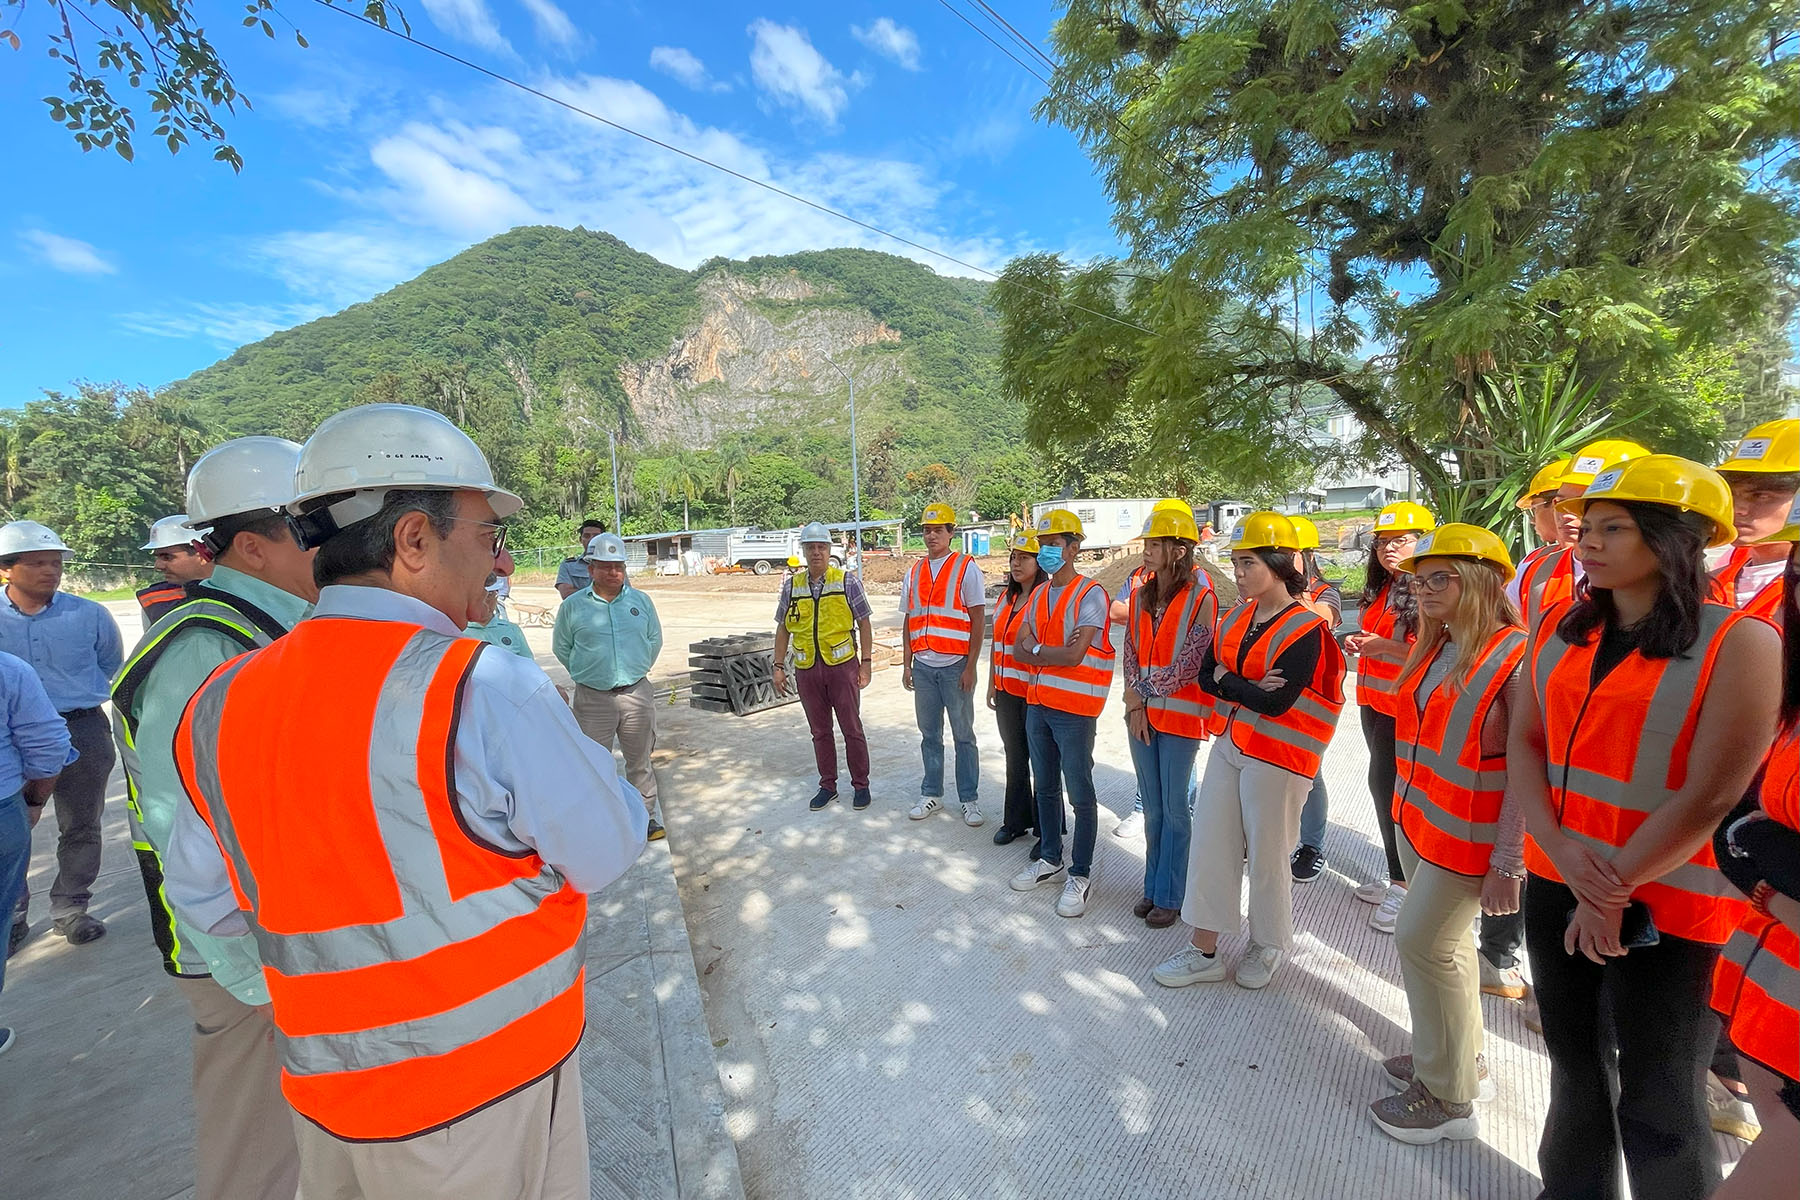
(1376, 678)
(1765, 604)
(1757, 982)
(1546, 579)
(1296, 740)
(935, 616)
(1447, 793)
(1158, 643)
(1080, 689)
(1009, 676)
(416, 973)
(1618, 752)
(158, 600)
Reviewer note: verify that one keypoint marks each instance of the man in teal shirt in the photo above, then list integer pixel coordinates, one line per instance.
(608, 636)
(498, 630)
(261, 586)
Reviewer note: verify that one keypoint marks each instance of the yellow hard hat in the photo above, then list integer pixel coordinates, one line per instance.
(1547, 479)
(1669, 480)
(1024, 543)
(1791, 531)
(1171, 523)
(1307, 531)
(1402, 515)
(793, 560)
(1457, 540)
(1772, 448)
(1264, 531)
(1061, 520)
(1174, 504)
(1595, 457)
(938, 514)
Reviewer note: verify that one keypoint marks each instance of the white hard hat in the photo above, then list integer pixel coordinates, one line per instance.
(375, 448)
(605, 547)
(815, 532)
(171, 532)
(25, 537)
(244, 475)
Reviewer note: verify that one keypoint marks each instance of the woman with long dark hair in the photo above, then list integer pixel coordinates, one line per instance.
(1168, 629)
(1757, 985)
(1390, 618)
(1006, 689)
(1647, 711)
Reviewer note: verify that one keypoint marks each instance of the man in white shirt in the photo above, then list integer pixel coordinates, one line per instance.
(944, 605)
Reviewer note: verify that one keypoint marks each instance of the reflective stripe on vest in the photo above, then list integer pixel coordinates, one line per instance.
(1160, 643)
(1080, 689)
(828, 622)
(1757, 982)
(1008, 675)
(1296, 739)
(244, 624)
(1765, 604)
(1447, 794)
(415, 972)
(935, 616)
(1546, 579)
(1376, 678)
(1617, 753)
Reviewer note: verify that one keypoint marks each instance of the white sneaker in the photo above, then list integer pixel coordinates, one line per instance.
(1387, 913)
(1132, 826)
(1074, 898)
(1257, 967)
(1034, 874)
(1373, 892)
(972, 815)
(925, 807)
(1730, 1113)
(1189, 965)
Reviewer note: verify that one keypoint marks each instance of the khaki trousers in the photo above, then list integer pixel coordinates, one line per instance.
(243, 1128)
(1245, 806)
(530, 1146)
(1443, 979)
(630, 716)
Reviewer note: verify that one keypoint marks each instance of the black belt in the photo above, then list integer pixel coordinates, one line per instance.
(79, 712)
(624, 687)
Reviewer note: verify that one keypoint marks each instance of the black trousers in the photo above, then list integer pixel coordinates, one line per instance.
(1378, 734)
(1639, 1023)
(1020, 814)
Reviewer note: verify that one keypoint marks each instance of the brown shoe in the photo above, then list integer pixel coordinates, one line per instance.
(1419, 1118)
(1399, 1072)
(1142, 907)
(1161, 918)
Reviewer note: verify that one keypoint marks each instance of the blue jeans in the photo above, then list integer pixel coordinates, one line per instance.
(936, 691)
(15, 853)
(1312, 817)
(1062, 753)
(1164, 769)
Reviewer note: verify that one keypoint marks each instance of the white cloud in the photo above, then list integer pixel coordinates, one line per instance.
(67, 254)
(685, 68)
(450, 177)
(553, 24)
(344, 266)
(891, 41)
(469, 21)
(227, 325)
(787, 67)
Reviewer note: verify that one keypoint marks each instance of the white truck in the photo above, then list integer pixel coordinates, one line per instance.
(1107, 523)
(766, 550)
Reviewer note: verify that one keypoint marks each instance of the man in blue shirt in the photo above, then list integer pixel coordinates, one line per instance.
(572, 574)
(608, 637)
(34, 746)
(74, 647)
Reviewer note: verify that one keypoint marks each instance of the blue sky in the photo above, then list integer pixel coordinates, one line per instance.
(367, 159)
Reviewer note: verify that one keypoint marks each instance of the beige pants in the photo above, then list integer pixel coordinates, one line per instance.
(1244, 806)
(243, 1128)
(1443, 978)
(630, 716)
(530, 1146)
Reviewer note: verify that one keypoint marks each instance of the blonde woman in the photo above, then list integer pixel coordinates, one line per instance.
(1461, 842)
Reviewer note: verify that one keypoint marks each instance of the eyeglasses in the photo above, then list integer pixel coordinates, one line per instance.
(1395, 539)
(497, 527)
(1437, 581)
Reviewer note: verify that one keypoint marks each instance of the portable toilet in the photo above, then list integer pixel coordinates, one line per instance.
(976, 542)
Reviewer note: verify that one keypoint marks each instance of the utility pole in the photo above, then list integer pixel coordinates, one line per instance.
(855, 482)
(612, 444)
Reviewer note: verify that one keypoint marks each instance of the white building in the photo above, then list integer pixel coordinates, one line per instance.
(1363, 488)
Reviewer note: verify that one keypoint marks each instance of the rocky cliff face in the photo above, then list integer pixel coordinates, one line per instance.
(758, 353)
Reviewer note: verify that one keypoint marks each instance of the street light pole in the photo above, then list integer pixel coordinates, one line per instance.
(612, 445)
(855, 482)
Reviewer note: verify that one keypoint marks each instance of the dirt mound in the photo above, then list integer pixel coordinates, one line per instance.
(1112, 577)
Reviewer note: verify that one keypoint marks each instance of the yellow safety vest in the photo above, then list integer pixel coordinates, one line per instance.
(826, 628)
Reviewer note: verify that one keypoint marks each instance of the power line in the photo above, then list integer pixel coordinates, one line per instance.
(959, 15)
(1029, 45)
(329, 6)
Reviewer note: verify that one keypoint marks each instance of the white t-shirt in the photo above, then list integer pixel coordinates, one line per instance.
(1755, 577)
(974, 595)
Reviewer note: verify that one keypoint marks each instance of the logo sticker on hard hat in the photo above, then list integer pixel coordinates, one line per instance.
(1237, 533)
(1043, 525)
(1587, 465)
(1607, 481)
(1424, 546)
(1387, 518)
(1752, 448)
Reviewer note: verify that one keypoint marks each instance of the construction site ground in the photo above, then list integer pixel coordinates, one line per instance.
(786, 1004)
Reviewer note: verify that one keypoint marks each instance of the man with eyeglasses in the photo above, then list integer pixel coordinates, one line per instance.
(607, 637)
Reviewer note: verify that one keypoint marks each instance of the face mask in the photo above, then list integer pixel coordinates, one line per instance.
(1050, 558)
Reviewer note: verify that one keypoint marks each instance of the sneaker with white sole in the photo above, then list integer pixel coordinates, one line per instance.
(1728, 1112)
(1505, 982)
(972, 815)
(1075, 897)
(1419, 1118)
(927, 806)
(1387, 913)
(1131, 827)
(1399, 1072)
(1036, 872)
(1373, 892)
(1257, 967)
(1189, 965)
